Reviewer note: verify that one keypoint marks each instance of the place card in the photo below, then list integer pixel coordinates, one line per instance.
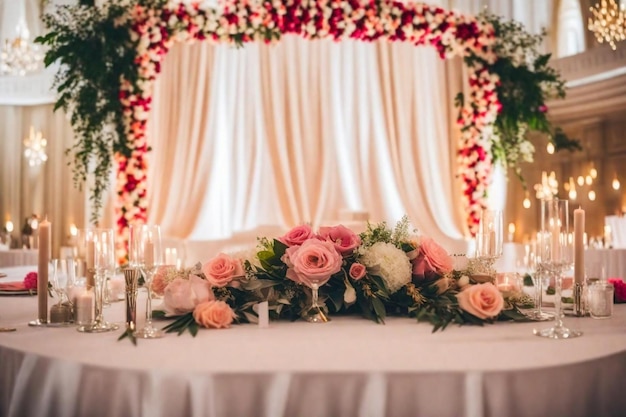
(264, 315)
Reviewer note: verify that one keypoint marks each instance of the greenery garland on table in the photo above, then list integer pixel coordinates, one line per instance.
(110, 57)
(380, 272)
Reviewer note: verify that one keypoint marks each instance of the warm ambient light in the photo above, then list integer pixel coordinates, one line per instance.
(615, 184)
(550, 148)
(511, 231)
(526, 202)
(592, 195)
(581, 180)
(607, 22)
(73, 230)
(588, 180)
(9, 226)
(572, 194)
(593, 172)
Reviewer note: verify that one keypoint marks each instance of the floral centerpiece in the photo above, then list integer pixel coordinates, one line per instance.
(378, 273)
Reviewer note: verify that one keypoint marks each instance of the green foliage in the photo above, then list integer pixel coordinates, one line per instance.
(94, 51)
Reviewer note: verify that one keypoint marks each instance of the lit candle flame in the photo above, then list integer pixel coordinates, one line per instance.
(9, 226)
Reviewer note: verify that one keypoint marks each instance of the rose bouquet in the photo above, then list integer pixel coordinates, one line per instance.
(378, 273)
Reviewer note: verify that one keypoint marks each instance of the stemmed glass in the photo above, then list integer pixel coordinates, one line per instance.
(539, 277)
(315, 313)
(145, 252)
(101, 244)
(63, 280)
(556, 252)
(489, 240)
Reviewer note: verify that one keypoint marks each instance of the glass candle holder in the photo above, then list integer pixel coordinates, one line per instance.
(600, 300)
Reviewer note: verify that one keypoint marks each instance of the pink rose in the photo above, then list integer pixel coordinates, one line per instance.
(222, 269)
(158, 282)
(30, 281)
(345, 240)
(313, 262)
(297, 236)
(432, 258)
(183, 295)
(620, 289)
(481, 300)
(357, 271)
(214, 314)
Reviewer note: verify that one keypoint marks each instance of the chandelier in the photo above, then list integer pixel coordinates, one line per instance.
(608, 22)
(548, 188)
(19, 56)
(35, 151)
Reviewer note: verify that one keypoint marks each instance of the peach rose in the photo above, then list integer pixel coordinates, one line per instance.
(297, 236)
(159, 282)
(481, 300)
(222, 269)
(313, 262)
(432, 258)
(183, 295)
(345, 240)
(357, 271)
(214, 314)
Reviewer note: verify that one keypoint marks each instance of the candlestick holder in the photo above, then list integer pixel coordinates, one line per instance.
(131, 276)
(580, 307)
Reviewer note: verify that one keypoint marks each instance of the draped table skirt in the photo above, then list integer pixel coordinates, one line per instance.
(348, 367)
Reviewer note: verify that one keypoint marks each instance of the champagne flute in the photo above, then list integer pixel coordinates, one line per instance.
(489, 241)
(63, 279)
(101, 244)
(557, 255)
(539, 278)
(145, 252)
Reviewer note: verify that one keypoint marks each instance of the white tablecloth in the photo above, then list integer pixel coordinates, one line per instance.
(17, 257)
(349, 367)
(613, 260)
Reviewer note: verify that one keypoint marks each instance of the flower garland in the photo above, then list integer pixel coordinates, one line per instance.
(156, 25)
(376, 273)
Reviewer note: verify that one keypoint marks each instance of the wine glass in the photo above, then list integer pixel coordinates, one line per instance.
(540, 279)
(62, 280)
(145, 252)
(100, 252)
(489, 241)
(557, 255)
(315, 313)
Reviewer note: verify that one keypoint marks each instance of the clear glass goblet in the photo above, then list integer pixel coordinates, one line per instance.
(316, 313)
(145, 252)
(488, 240)
(557, 255)
(101, 243)
(62, 280)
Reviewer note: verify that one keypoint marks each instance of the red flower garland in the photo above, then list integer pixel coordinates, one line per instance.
(451, 33)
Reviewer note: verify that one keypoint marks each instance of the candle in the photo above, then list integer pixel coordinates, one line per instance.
(42, 271)
(579, 245)
(171, 256)
(84, 303)
(9, 226)
(73, 230)
(607, 236)
(511, 231)
(90, 261)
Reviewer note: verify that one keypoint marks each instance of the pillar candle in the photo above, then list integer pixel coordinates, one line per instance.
(42, 271)
(84, 304)
(579, 245)
(149, 255)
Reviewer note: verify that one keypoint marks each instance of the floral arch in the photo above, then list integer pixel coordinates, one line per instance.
(155, 26)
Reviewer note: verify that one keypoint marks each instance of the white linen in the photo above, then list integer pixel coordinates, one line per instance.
(348, 367)
(17, 257)
(613, 260)
(618, 231)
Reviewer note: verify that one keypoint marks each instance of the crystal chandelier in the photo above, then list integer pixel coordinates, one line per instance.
(19, 56)
(608, 22)
(35, 151)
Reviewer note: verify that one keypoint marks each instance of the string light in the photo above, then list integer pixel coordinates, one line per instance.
(615, 184)
(526, 202)
(580, 180)
(592, 195)
(550, 148)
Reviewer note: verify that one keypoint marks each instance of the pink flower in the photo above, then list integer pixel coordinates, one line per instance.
(214, 314)
(313, 262)
(432, 258)
(345, 240)
(30, 281)
(183, 295)
(481, 300)
(620, 289)
(158, 282)
(357, 271)
(297, 236)
(222, 269)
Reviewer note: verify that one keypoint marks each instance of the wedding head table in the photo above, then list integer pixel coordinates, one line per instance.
(348, 367)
